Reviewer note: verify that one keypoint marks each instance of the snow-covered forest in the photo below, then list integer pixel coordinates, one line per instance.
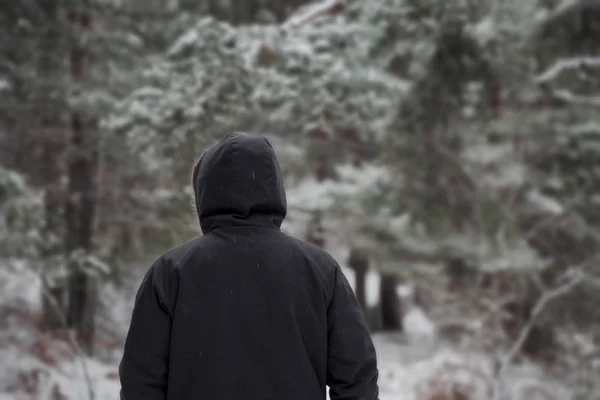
(446, 152)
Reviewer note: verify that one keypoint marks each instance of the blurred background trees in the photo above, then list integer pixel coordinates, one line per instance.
(450, 149)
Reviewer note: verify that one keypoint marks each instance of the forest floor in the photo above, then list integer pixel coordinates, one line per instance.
(36, 366)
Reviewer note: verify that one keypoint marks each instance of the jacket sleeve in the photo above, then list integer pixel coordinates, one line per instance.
(143, 370)
(352, 363)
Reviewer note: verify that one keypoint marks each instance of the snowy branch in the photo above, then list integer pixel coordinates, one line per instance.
(572, 279)
(569, 97)
(313, 12)
(562, 65)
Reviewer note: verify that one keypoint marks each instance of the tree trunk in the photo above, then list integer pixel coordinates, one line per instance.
(359, 263)
(54, 291)
(81, 204)
(391, 308)
(50, 137)
(315, 232)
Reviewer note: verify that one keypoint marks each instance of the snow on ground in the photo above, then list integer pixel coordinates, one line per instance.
(35, 366)
(72, 377)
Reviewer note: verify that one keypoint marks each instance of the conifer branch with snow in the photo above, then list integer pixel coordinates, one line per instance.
(312, 12)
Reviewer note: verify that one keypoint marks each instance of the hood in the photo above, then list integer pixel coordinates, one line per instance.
(238, 182)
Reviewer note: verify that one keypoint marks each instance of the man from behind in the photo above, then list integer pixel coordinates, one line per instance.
(245, 312)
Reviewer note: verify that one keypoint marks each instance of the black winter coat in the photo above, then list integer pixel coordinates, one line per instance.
(245, 312)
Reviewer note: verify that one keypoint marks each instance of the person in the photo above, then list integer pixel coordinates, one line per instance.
(245, 311)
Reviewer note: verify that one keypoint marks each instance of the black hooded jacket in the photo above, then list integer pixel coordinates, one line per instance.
(246, 312)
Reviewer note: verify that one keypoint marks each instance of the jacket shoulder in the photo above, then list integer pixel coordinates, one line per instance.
(318, 255)
(321, 262)
(310, 247)
(177, 256)
(164, 272)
